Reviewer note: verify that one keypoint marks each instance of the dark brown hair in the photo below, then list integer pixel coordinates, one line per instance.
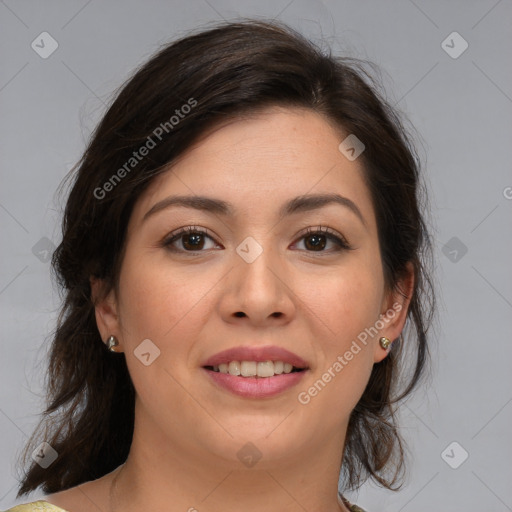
(188, 87)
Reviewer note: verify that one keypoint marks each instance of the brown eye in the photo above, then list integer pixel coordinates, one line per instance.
(192, 239)
(315, 242)
(316, 239)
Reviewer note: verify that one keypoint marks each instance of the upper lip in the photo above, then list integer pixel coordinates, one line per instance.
(258, 354)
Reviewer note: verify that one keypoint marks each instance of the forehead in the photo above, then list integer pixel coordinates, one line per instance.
(258, 162)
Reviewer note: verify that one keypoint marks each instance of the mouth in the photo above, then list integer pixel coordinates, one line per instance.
(255, 372)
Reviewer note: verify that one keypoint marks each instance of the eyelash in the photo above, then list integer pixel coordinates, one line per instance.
(340, 241)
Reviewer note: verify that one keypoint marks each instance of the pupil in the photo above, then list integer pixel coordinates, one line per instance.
(194, 240)
(317, 243)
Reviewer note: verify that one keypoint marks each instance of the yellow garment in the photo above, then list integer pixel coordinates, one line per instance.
(36, 506)
(44, 506)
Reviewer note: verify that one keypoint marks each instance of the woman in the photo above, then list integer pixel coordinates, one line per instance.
(242, 249)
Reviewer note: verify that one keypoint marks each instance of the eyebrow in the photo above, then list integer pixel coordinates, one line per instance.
(304, 203)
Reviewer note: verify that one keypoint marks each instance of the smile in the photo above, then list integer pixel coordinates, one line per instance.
(255, 371)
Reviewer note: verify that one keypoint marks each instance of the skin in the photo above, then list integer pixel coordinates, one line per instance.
(187, 431)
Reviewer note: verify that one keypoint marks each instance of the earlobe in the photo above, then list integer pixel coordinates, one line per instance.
(385, 342)
(394, 315)
(105, 308)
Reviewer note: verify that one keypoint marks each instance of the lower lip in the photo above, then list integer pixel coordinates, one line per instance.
(256, 387)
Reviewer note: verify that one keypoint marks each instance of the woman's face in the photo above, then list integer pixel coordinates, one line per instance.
(250, 280)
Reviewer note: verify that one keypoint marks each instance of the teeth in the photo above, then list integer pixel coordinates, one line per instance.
(253, 368)
(234, 368)
(278, 367)
(265, 369)
(248, 369)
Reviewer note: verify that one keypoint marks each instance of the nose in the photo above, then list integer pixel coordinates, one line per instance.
(259, 292)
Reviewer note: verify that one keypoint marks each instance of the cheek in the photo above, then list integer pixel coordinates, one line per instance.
(348, 305)
(165, 306)
(359, 302)
(158, 299)
(346, 302)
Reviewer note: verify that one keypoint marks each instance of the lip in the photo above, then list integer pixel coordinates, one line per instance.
(256, 387)
(258, 354)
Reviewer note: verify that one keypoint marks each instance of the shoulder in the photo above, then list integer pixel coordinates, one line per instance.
(69, 500)
(351, 506)
(355, 508)
(36, 506)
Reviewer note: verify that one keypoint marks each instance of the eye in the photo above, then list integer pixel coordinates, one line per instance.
(192, 238)
(316, 239)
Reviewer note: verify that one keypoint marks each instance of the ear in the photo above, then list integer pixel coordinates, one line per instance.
(394, 311)
(105, 306)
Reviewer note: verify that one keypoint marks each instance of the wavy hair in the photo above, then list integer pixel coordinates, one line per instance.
(221, 73)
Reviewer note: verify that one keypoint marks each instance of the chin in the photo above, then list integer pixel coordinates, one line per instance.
(257, 440)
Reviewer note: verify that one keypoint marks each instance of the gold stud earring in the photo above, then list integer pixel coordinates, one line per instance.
(385, 342)
(112, 343)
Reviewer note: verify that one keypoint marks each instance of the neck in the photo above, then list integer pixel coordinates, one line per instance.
(159, 474)
(251, 491)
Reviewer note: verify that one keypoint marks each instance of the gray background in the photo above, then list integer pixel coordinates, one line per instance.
(461, 107)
